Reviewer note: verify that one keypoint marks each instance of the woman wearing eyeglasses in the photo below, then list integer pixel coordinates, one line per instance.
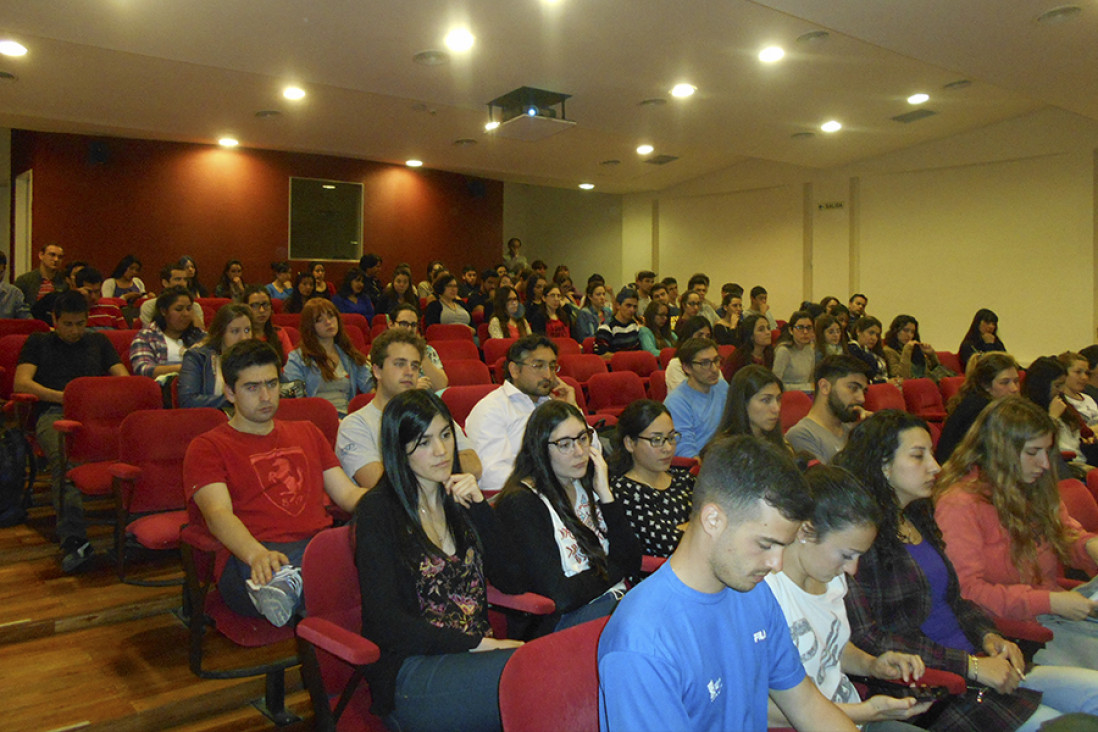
(258, 299)
(656, 497)
(794, 356)
(571, 536)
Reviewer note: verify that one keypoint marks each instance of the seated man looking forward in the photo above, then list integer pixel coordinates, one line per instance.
(621, 332)
(702, 643)
(697, 404)
(259, 484)
(841, 382)
(396, 356)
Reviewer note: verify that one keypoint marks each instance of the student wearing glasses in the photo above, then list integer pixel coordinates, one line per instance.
(557, 507)
(432, 375)
(656, 497)
(696, 405)
(794, 356)
(258, 299)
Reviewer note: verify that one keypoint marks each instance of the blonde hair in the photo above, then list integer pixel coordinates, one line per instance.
(1030, 513)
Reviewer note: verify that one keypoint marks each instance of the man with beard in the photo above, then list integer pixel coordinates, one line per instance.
(702, 643)
(496, 424)
(841, 382)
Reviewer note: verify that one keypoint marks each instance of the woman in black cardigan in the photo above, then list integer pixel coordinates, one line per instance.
(571, 536)
(427, 544)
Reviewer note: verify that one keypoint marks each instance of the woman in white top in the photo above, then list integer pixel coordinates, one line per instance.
(794, 356)
(124, 282)
(810, 589)
(1077, 379)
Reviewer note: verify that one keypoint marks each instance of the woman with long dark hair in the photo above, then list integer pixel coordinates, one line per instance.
(188, 265)
(324, 288)
(553, 317)
(906, 596)
(570, 534)
(426, 546)
(399, 291)
(447, 308)
(754, 406)
(656, 496)
(507, 319)
(349, 298)
(281, 287)
(656, 333)
(794, 356)
(327, 361)
(982, 336)
(866, 346)
(830, 339)
(304, 290)
(124, 282)
(200, 383)
(231, 284)
(754, 347)
(258, 299)
(990, 377)
(593, 313)
(158, 348)
(904, 351)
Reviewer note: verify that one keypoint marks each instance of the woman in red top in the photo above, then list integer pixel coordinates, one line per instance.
(1008, 533)
(553, 317)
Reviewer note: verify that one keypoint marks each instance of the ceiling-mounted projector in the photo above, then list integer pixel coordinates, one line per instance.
(529, 114)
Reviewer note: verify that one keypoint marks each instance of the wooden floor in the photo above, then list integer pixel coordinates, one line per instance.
(90, 653)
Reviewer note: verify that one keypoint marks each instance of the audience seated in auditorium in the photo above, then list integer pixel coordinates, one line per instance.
(840, 393)
(42, 309)
(47, 363)
(621, 332)
(432, 375)
(101, 316)
(1090, 353)
(171, 275)
(47, 277)
(124, 282)
(672, 286)
(906, 354)
(231, 284)
(508, 319)
(1074, 392)
(656, 333)
(200, 383)
(190, 267)
(726, 330)
(754, 406)
(1074, 446)
(260, 485)
(991, 376)
(829, 338)
(982, 336)
(304, 290)
(643, 283)
(158, 348)
(447, 308)
(715, 672)
(323, 288)
(689, 307)
(760, 305)
(699, 283)
(866, 345)
(570, 535)
(434, 269)
(326, 360)
(534, 291)
(496, 423)
(395, 357)
(282, 286)
(399, 291)
(795, 355)
(754, 347)
(351, 295)
(655, 495)
(258, 299)
(554, 316)
(480, 300)
(12, 303)
(593, 313)
(468, 285)
(695, 327)
(696, 405)
(370, 265)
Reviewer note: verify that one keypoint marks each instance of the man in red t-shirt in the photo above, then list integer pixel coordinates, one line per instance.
(260, 486)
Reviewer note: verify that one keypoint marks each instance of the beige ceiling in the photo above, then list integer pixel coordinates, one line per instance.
(193, 70)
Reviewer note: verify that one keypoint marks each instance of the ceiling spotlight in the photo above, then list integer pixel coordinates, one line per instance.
(228, 142)
(918, 98)
(459, 40)
(831, 126)
(645, 149)
(414, 163)
(293, 92)
(770, 54)
(683, 90)
(587, 186)
(11, 48)
(491, 126)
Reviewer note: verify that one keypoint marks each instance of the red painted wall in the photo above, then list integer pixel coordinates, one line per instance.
(103, 198)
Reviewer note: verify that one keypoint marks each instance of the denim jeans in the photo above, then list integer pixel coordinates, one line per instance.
(232, 585)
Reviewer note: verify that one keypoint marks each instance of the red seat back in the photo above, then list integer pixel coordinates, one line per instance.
(100, 403)
(566, 345)
(449, 332)
(951, 361)
(276, 305)
(380, 319)
(581, 397)
(356, 319)
(287, 319)
(10, 346)
(589, 344)
(641, 363)
(317, 410)
(360, 401)
(581, 366)
(21, 326)
(294, 334)
(666, 354)
(949, 386)
(883, 396)
(466, 373)
(1080, 504)
(657, 385)
(460, 400)
(726, 352)
(456, 350)
(496, 348)
(795, 406)
(160, 487)
(613, 392)
(121, 340)
(923, 398)
(551, 683)
(482, 332)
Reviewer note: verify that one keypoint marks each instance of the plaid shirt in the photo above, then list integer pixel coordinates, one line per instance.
(149, 349)
(889, 600)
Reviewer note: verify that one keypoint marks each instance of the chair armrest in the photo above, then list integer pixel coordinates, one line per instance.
(338, 641)
(1022, 630)
(954, 683)
(650, 564)
(18, 396)
(125, 471)
(67, 426)
(1068, 583)
(527, 602)
(199, 538)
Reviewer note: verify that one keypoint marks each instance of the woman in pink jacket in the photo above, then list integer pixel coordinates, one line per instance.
(1008, 534)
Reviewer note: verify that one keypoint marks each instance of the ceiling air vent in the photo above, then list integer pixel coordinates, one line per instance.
(660, 159)
(915, 116)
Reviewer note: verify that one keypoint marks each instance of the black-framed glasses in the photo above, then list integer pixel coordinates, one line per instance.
(707, 363)
(409, 324)
(802, 328)
(260, 305)
(658, 441)
(568, 444)
(551, 366)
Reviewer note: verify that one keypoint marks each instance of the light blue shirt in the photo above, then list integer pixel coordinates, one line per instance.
(696, 415)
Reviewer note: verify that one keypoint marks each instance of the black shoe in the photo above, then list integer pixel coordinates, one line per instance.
(78, 552)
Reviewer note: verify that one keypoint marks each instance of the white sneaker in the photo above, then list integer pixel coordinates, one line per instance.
(277, 599)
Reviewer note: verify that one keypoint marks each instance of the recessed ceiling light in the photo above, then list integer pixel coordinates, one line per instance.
(813, 37)
(11, 48)
(293, 92)
(770, 54)
(459, 40)
(228, 142)
(1061, 14)
(267, 113)
(413, 163)
(683, 90)
(587, 186)
(803, 135)
(491, 126)
(431, 57)
(653, 102)
(918, 98)
(645, 149)
(831, 126)
(959, 84)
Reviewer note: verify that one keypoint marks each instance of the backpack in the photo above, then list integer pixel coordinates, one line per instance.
(16, 477)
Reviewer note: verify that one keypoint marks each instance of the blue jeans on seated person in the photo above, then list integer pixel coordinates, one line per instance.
(457, 692)
(232, 585)
(600, 607)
